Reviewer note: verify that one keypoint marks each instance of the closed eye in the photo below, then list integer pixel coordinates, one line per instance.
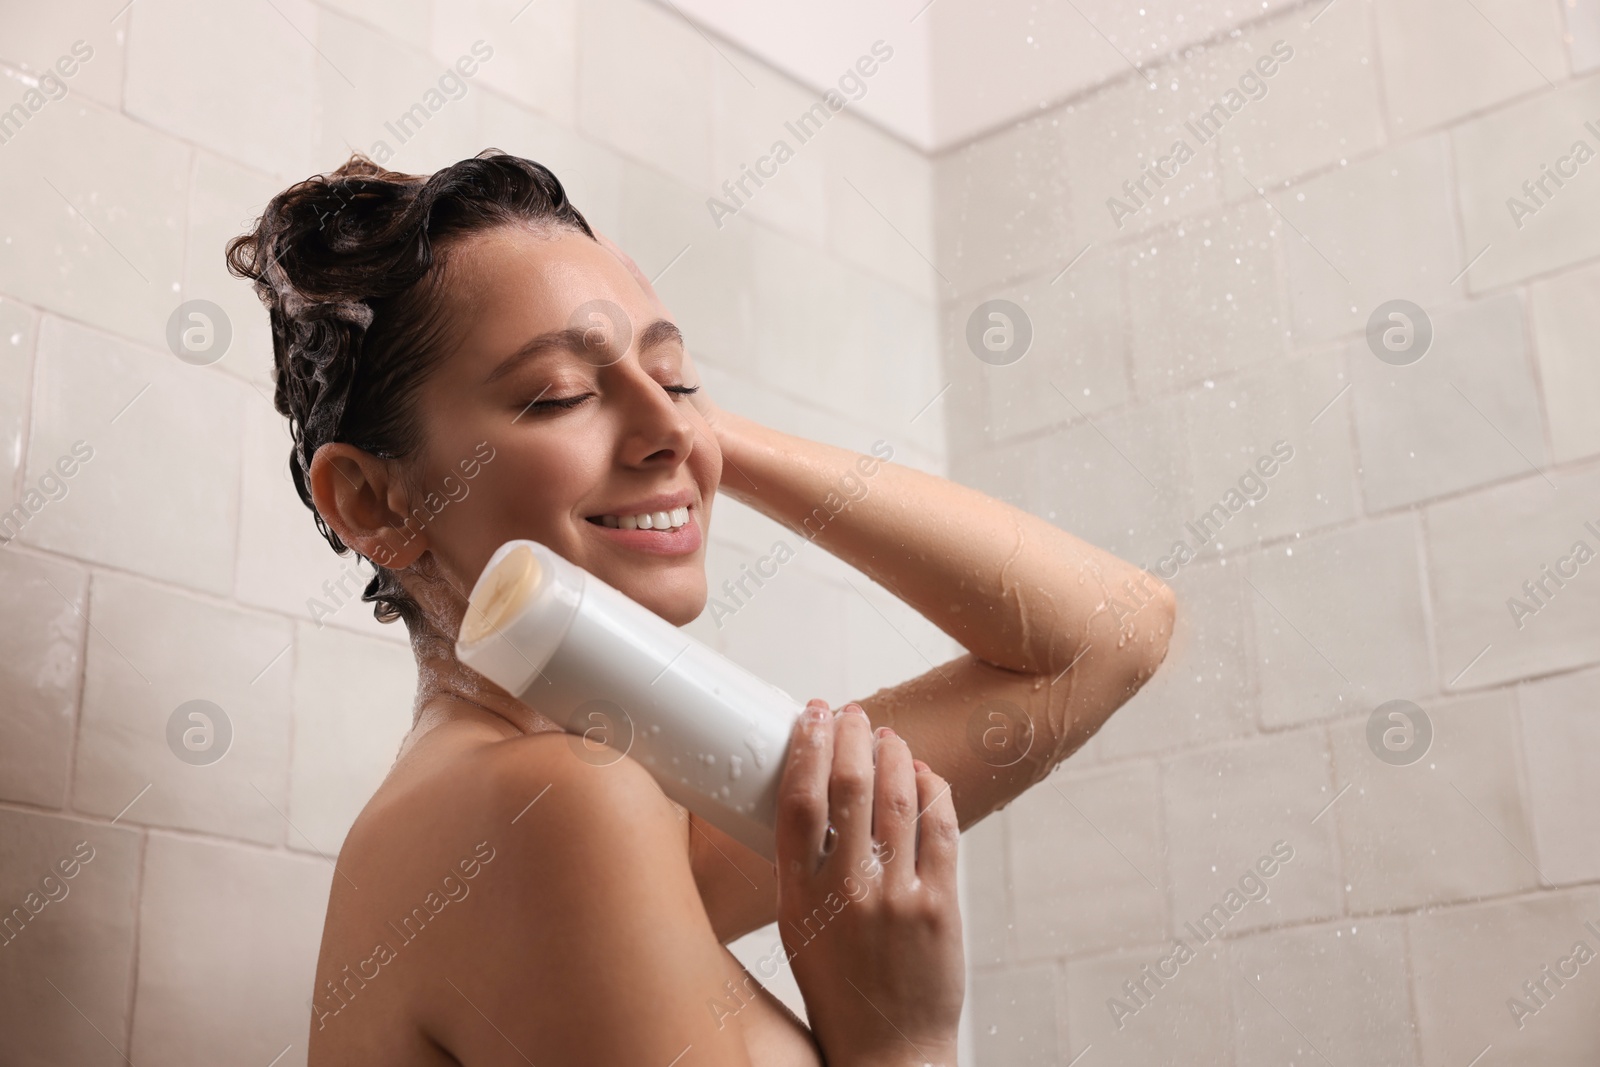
(566, 402)
(559, 402)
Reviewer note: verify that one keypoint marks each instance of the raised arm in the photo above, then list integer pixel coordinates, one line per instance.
(1061, 631)
(1054, 627)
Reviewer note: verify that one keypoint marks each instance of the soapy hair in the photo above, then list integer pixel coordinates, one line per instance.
(350, 267)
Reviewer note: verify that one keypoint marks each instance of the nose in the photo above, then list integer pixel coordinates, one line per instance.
(654, 431)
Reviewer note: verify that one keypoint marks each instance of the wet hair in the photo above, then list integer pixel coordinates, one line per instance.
(350, 267)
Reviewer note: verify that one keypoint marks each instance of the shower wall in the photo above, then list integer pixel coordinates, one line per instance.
(1261, 859)
(174, 563)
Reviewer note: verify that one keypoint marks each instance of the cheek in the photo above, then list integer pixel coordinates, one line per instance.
(542, 484)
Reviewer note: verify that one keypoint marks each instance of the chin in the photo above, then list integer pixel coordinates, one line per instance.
(679, 600)
(686, 612)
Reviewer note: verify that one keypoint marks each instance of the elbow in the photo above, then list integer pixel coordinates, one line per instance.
(1150, 638)
(1164, 608)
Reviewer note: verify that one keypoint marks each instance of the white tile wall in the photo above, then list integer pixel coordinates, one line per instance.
(1464, 415)
(1204, 298)
(1483, 549)
(751, 108)
(82, 942)
(1015, 1014)
(1497, 153)
(1566, 323)
(1380, 228)
(35, 45)
(1106, 141)
(1442, 63)
(1093, 838)
(1450, 827)
(46, 608)
(986, 927)
(17, 328)
(1293, 414)
(353, 700)
(1340, 622)
(1078, 348)
(1225, 808)
(1583, 34)
(1002, 209)
(535, 46)
(240, 82)
(1336, 989)
(373, 96)
(95, 219)
(1115, 480)
(217, 978)
(868, 175)
(165, 457)
(1378, 165)
(1380, 562)
(1559, 733)
(645, 86)
(1321, 106)
(1185, 1019)
(1469, 962)
(151, 650)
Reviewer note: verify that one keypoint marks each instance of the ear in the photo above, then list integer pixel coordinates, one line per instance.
(362, 499)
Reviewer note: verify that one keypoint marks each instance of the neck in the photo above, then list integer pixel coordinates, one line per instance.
(447, 690)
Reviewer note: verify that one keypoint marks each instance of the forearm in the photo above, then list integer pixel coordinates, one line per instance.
(1014, 590)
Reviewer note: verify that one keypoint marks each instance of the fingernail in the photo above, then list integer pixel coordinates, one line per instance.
(816, 711)
(855, 708)
(884, 731)
(919, 765)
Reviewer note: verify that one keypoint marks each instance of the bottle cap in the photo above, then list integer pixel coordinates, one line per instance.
(518, 614)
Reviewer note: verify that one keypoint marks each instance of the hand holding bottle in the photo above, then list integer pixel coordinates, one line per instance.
(867, 905)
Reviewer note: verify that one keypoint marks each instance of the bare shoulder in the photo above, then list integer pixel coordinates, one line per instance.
(580, 931)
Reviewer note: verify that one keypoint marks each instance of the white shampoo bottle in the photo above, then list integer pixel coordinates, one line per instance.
(599, 663)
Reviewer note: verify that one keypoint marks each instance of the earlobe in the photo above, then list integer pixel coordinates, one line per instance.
(354, 491)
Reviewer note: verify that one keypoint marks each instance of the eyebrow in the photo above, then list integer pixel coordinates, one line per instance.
(571, 340)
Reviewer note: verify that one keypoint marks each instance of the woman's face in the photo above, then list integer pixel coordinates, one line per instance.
(560, 426)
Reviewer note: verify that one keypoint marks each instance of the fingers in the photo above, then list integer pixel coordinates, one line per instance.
(850, 789)
(939, 832)
(803, 791)
(869, 789)
(894, 809)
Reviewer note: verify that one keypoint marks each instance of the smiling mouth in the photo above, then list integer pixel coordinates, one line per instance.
(645, 520)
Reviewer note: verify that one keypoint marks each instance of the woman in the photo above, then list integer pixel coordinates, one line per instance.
(501, 899)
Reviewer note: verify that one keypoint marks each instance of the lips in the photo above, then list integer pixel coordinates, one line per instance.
(648, 520)
(659, 503)
(671, 541)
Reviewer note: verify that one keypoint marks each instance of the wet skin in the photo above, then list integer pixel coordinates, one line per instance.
(599, 883)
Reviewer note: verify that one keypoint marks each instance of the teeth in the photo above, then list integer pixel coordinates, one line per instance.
(648, 520)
